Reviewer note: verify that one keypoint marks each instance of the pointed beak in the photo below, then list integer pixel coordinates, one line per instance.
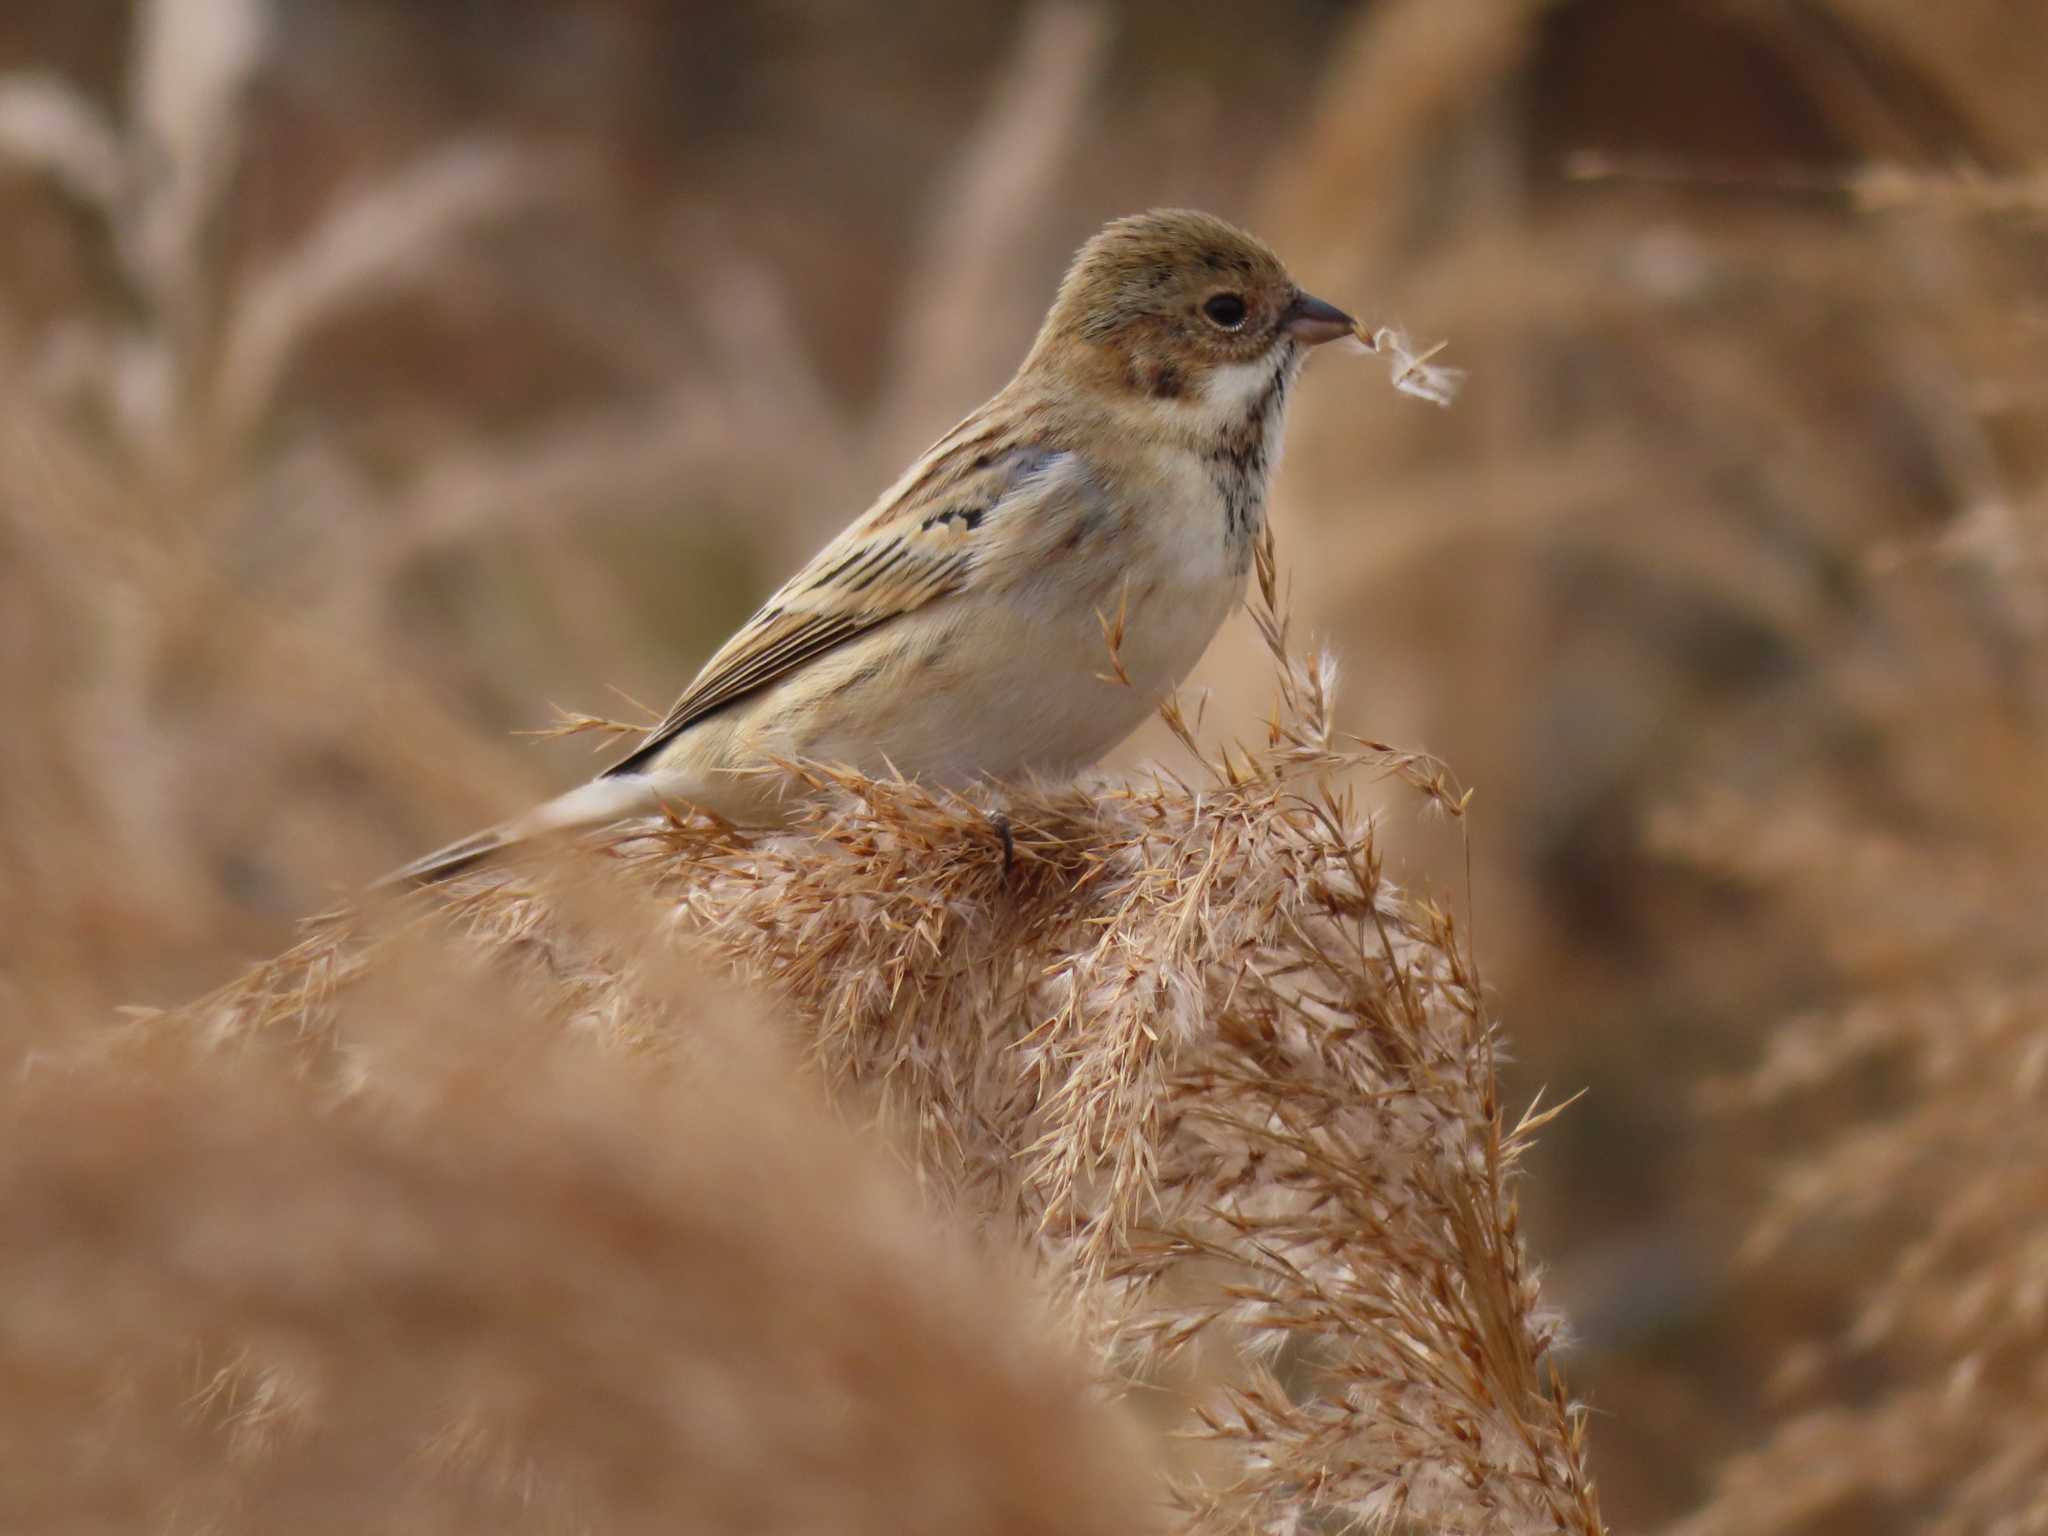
(1312, 321)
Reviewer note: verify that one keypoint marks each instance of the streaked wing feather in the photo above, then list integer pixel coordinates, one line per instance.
(783, 646)
(920, 543)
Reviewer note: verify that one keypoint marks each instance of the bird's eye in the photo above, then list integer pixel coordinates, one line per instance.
(1226, 310)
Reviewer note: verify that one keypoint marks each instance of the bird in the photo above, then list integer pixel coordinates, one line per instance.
(954, 633)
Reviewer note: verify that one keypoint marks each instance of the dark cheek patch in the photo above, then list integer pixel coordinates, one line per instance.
(1167, 382)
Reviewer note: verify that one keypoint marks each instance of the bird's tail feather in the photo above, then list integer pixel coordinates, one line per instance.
(457, 858)
(593, 804)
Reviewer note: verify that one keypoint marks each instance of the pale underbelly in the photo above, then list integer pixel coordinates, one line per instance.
(1004, 692)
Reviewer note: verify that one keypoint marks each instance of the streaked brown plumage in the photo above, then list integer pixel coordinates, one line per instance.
(954, 632)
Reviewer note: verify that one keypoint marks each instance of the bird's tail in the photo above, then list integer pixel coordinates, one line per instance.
(457, 858)
(593, 804)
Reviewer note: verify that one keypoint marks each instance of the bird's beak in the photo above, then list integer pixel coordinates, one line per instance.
(1310, 320)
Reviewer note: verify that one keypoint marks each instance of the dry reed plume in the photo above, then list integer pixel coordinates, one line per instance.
(499, 1281)
(1237, 1089)
(1923, 1085)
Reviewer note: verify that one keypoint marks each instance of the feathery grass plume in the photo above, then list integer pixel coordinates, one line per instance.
(142, 472)
(486, 1275)
(1905, 1104)
(1237, 1088)
(1930, 1074)
(1412, 372)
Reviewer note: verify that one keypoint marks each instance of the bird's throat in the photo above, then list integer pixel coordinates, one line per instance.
(1242, 442)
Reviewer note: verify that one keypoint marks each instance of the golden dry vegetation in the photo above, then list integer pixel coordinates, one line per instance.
(375, 377)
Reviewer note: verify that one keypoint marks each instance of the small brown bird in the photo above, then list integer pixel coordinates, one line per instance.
(954, 632)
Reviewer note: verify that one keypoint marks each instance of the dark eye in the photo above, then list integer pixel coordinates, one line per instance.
(1226, 310)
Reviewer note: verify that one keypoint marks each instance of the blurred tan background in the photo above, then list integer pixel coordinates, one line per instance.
(375, 376)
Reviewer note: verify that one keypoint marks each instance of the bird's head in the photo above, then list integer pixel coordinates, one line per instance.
(1181, 308)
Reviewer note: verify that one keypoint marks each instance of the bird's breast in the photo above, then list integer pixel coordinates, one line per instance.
(1052, 662)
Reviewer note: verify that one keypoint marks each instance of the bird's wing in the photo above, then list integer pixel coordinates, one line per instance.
(922, 541)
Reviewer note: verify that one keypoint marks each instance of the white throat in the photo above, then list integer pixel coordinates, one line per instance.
(1231, 389)
(1232, 393)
